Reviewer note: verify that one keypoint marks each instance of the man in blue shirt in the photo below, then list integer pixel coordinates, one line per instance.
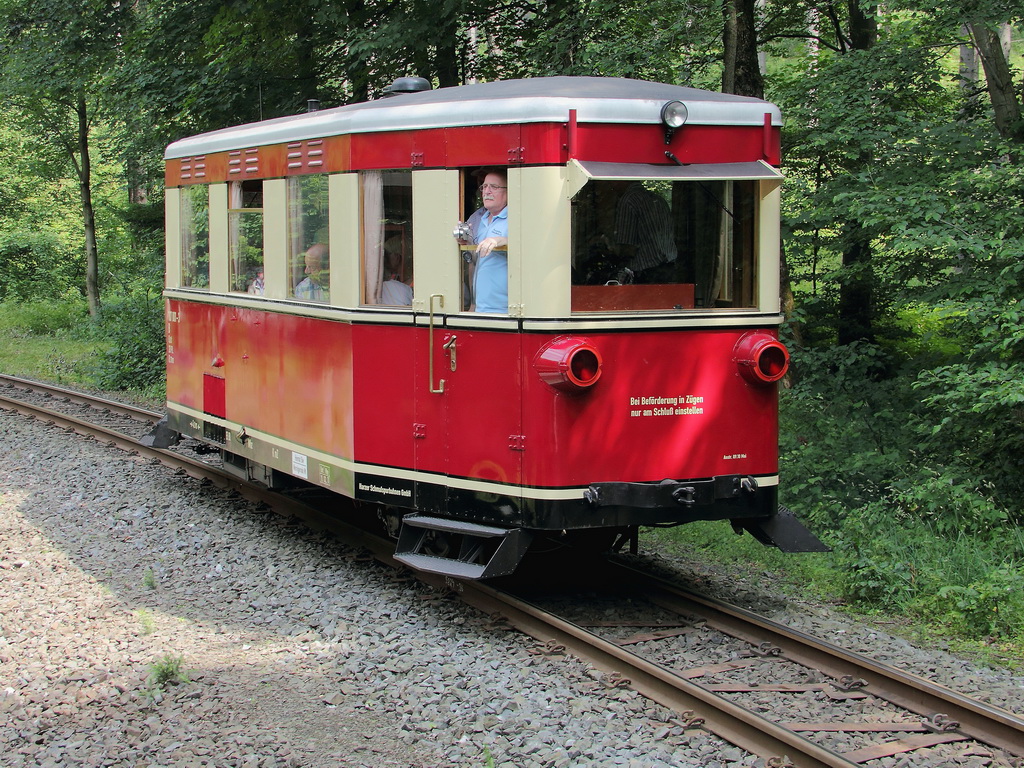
(490, 234)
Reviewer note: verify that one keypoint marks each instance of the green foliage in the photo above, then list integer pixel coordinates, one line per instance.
(911, 518)
(35, 263)
(960, 582)
(907, 453)
(992, 606)
(135, 357)
(980, 409)
(859, 173)
(661, 40)
(166, 671)
(43, 317)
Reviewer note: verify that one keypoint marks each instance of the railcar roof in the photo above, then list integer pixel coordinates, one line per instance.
(534, 100)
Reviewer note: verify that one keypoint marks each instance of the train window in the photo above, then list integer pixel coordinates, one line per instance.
(485, 278)
(245, 236)
(387, 237)
(308, 255)
(662, 245)
(195, 236)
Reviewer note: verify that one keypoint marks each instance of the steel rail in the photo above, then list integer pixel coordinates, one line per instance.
(67, 422)
(81, 398)
(202, 471)
(730, 721)
(986, 723)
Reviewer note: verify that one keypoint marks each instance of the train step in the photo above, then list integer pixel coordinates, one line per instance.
(458, 549)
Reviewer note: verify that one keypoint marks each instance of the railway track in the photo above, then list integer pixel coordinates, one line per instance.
(640, 646)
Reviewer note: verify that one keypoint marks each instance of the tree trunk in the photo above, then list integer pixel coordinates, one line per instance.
(356, 64)
(306, 62)
(92, 285)
(968, 66)
(856, 291)
(741, 71)
(1005, 102)
(446, 58)
(863, 26)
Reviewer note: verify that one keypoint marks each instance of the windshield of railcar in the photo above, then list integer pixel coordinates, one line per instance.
(663, 245)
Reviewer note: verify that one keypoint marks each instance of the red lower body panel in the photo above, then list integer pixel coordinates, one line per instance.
(668, 404)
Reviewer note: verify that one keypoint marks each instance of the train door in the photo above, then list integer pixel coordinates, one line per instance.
(435, 209)
(468, 404)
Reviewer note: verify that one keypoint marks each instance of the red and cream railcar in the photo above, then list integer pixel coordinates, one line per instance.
(321, 323)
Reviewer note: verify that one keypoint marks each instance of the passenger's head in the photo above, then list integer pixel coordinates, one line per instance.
(494, 190)
(315, 257)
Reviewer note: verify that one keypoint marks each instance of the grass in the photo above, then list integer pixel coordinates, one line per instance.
(56, 342)
(147, 621)
(49, 358)
(46, 340)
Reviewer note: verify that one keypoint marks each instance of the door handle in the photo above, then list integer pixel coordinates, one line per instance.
(449, 346)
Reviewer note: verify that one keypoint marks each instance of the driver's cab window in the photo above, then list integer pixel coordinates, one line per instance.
(663, 245)
(483, 241)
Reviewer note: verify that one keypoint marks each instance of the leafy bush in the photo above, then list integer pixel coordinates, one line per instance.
(991, 606)
(166, 671)
(915, 525)
(36, 263)
(965, 583)
(44, 317)
(134, 358)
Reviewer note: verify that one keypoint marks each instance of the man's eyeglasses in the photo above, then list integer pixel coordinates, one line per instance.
(490, 187)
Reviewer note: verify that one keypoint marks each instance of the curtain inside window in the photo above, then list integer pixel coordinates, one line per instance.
(373, 235)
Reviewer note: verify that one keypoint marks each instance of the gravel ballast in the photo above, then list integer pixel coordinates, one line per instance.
(293, 649)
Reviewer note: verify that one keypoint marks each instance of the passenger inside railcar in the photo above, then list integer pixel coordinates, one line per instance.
(308, 225)
(644, 236)
(486, 273)
(256, 287)
(397, 288)
(315, 286)
(387, 238)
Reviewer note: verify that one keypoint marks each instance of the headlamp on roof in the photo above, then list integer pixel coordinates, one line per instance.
(673, 116)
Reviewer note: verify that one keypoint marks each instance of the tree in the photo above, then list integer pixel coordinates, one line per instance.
(741, 72)
(857, 105)
(56, 58)
(1005, 100)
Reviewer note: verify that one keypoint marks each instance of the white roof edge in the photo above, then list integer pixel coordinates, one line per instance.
(434, 111)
